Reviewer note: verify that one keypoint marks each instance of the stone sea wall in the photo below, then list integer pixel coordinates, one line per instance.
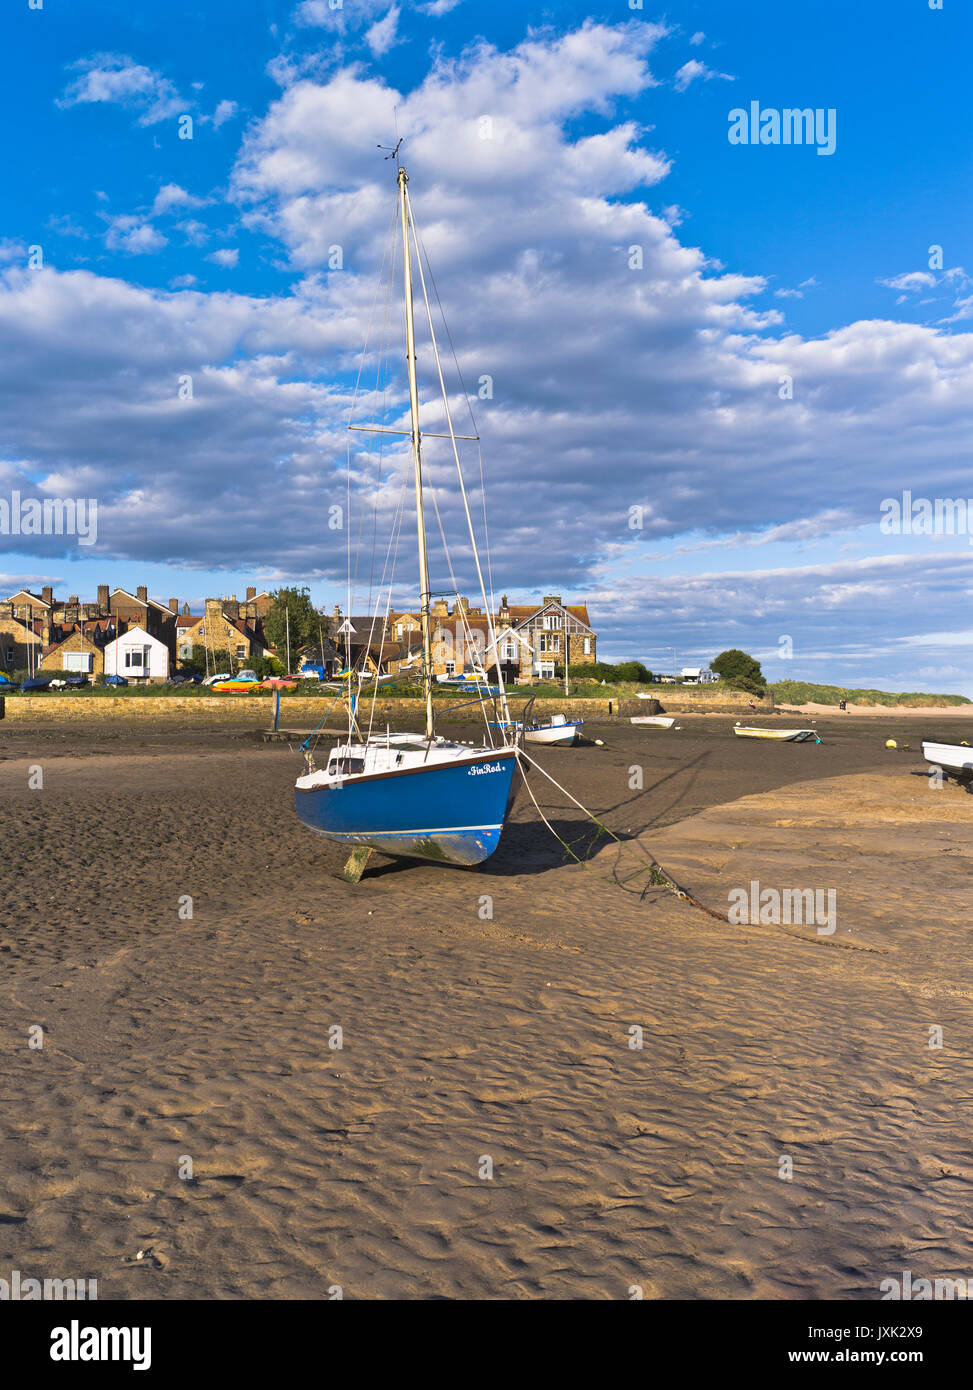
(299, 711)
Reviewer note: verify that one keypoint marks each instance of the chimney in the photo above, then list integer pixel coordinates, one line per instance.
(142, 594)
(173, 605)
(102, 595)
(47, 594)
(73, 600)
(214, 607)
(337, 613)
(552, 598)
(251, 592)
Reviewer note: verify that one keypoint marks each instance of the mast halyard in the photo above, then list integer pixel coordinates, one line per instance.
(424, 594)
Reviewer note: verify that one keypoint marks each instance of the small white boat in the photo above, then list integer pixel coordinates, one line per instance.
(954, 758)
(661, 721)
(781, 735)
(559, 732)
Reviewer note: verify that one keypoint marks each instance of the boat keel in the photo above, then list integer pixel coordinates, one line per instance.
(355, 864)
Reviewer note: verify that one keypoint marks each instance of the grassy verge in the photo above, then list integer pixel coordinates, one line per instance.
(804, 693)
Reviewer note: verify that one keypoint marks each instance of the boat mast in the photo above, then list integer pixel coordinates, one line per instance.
(410, 332)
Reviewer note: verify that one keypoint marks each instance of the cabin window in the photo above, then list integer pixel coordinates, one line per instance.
(347, 766)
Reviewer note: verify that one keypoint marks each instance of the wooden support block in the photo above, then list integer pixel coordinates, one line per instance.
(355, 866)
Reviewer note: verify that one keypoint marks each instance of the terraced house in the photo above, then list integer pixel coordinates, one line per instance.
(531, 640)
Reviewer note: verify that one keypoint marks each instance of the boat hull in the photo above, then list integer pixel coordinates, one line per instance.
(951, 757)
(450, 813)
(556, 735)
(778, 735)
(661, 721)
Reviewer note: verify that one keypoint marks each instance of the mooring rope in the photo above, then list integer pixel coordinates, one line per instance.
(657, 875)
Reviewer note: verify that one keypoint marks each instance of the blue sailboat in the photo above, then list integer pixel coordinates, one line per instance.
(408, 794)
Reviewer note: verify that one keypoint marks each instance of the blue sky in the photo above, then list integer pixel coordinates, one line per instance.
(614, 388)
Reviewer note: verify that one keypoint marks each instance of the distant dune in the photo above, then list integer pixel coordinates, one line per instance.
(806, 694)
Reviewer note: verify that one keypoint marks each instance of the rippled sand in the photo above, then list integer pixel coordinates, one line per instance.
(469, 1038)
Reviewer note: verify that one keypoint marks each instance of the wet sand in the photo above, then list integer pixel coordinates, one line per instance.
(469, 1037)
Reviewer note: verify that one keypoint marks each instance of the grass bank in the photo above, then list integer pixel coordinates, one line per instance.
(806, 693)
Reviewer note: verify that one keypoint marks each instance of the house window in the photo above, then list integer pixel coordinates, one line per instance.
(134, 659)
(552, 621)
(451, 668)
(241, 651)
(509, 651)
(10, 655)
(76, 661)
(555, 642)
(587, 646)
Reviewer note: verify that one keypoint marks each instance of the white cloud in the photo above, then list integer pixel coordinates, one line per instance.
(134, 235)
(913, 280)
(114, 78)
(697, 38)
(227, 257)
(195, 231)
(383, 34)
(225, 111)
(693, 69)
(170, 195)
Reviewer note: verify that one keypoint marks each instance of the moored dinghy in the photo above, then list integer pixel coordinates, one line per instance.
(558, 732)
(780, 735)
(415, 795)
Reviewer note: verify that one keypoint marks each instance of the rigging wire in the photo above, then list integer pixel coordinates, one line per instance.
(459, 471)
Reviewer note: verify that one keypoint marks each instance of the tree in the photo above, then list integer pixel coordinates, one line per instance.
(305, 623)
(740, 670)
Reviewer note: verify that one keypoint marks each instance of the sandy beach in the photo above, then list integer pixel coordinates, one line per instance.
(488, 1127)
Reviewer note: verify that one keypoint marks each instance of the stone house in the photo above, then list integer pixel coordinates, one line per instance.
(530, 640)
(221, 628)
(21, 640)
(78, 654)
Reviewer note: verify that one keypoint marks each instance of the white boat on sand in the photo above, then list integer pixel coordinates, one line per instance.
(661, 721)
(954, 758)
(781, 735)
(558, 732)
